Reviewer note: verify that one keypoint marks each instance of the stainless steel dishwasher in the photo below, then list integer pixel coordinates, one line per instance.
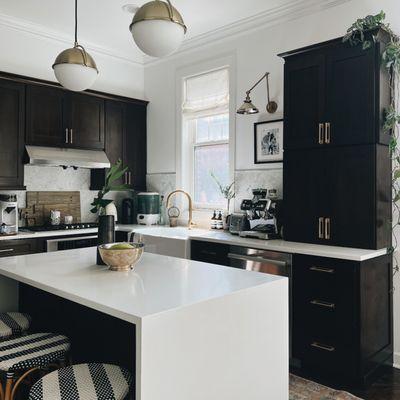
(268, 262)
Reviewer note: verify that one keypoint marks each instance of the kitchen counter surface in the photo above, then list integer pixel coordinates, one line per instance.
(181, 233)
(157, 284)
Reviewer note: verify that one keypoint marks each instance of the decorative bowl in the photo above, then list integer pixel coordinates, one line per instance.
(121, 259)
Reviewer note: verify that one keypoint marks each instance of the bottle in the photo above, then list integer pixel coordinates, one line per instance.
(214, 220)
(220, 223)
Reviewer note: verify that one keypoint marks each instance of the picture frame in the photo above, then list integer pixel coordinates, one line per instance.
(268, 142)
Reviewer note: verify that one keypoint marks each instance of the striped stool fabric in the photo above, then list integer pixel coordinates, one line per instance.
(30, 351)
(13, 324)
(83, 382)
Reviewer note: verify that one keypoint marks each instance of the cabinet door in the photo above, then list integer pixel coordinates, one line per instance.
(304, 100)
(135, 146)
(18, 247)
(86, 121)
(351, 173)
(12, 117)
(351, 95)
(305, 195)
(45, 124)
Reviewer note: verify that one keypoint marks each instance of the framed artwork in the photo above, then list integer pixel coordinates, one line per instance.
(268, 141)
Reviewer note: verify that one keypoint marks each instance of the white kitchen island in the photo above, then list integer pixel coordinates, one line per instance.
(203, 332)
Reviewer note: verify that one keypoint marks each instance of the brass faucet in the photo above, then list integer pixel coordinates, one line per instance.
(190, 221)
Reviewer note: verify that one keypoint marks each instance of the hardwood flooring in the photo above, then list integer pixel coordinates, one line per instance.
(385, 388)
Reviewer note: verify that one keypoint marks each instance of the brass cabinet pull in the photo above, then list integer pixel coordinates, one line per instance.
(320, 227)
(71, 135)
(323, 270)
(6, 251)
(322, 304)
(321, 133)
(66, 135)
(327, 132)
(322, 346)
(327, 228)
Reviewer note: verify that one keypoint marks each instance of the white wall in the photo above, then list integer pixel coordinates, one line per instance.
(255, 52)
(31, 55)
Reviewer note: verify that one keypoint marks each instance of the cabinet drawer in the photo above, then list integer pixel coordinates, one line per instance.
(18, 247)
(214, 253)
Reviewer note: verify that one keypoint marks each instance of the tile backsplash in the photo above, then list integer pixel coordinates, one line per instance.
(57, 178)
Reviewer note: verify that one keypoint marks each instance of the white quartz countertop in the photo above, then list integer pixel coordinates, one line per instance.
(157, 284)
(181, 233)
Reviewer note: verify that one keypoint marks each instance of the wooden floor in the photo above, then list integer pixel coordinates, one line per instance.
(385, 388)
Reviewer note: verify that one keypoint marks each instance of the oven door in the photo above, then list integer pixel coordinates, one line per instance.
(70, 243)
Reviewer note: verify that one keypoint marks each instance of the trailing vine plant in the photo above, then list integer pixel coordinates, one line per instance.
(359, 34)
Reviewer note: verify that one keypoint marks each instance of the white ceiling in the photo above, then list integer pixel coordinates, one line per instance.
(103, 23)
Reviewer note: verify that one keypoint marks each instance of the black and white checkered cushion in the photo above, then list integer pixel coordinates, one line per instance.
(36, 350)
(13, 324)
(83, 382)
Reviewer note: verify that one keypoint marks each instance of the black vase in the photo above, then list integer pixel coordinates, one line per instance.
(106, 233)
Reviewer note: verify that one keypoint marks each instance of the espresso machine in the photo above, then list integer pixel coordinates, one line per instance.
(263, 216)
(8, 214)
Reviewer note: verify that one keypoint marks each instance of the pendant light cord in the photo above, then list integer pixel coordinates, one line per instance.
(76, 23)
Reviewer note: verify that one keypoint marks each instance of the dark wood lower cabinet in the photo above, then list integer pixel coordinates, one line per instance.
(342, 316)
(18, 247)
(214, 253)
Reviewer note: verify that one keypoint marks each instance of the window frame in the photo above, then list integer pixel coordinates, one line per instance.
(191, 132)
(226, 61)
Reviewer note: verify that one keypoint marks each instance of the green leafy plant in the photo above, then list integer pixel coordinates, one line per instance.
(116, 172)
(357, 35)
(227, 191)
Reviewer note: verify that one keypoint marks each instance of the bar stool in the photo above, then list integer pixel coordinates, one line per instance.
(91, 381)
(13, 324)
(26, 354)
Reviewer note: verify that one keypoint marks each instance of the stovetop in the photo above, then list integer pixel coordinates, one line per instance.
(45, 228)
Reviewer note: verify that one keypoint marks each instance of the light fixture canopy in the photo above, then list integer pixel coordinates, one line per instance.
(158, 28)
(248, 107)
(74, 68)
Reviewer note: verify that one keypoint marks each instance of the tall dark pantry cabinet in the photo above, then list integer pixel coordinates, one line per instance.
(337, 192)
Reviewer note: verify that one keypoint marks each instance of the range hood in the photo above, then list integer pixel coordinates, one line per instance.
(59, 157)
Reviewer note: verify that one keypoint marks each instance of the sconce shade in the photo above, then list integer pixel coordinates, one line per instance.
(247, 107)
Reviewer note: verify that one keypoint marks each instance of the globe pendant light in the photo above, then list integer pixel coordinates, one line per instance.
(158, 28)
(74, 68)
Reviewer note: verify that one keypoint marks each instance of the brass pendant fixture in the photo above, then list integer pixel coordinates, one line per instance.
(248, 107)
(75, 68)
(158, 28)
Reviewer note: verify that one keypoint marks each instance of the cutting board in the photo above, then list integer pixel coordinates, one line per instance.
(39, 205)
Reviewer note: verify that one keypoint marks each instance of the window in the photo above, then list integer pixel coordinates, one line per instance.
(206, 131)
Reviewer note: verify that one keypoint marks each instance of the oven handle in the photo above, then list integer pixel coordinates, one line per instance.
(256, 259)
(70, 239)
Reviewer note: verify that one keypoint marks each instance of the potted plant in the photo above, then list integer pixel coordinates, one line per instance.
(228, 192)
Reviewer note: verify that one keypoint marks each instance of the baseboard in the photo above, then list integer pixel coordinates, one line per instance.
(396, 360)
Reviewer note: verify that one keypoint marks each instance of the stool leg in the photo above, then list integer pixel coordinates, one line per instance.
(9, 383)
(1, 392)
(20, 379)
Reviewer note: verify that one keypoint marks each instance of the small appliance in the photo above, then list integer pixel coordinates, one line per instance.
(237, 223)
(8, 214)
(128, 211)
(262, 214)
(148, 208)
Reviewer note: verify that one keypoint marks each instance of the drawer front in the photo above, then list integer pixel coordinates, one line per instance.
(325, 301)
(214, 253)
(18, 247)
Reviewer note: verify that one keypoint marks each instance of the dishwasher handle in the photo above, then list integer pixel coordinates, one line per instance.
(256, 259)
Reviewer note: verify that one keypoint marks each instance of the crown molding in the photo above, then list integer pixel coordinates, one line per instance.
(43, 32)
(283, 13)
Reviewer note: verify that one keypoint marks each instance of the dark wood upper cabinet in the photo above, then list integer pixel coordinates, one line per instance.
(125, 132)
(59, 118)
(337, 167)
(304, 100)
(135, 148)
(335, 95)
(85, 121)
(12, 117)
(45, 116)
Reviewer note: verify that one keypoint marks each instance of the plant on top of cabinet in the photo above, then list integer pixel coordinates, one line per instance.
(356, 36)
